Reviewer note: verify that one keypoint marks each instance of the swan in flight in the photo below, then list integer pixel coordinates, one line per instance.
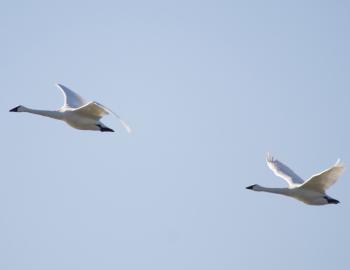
(311, 191)
(77, 112)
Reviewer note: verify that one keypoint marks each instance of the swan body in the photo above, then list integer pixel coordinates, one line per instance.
(77, 112)
(311, 191)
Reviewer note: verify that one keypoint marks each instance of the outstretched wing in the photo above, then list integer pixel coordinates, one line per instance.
(96, 110)
(124, 124)
(91, 110)
(283, 171)
(320, 182)
(71, 99)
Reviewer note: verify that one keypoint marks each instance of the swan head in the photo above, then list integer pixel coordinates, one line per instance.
(254, 187)
(19, 108)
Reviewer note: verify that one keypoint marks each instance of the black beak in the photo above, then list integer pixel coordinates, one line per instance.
(250, 187)
(15, 109)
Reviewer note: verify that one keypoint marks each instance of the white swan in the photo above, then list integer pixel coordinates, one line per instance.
(77, 112)
(311, 191)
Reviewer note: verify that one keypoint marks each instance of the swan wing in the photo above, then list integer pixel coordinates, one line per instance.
(71, 99)
(124, 124)
(322, 181)
(96, 111)
(283, 171)
(91, 110)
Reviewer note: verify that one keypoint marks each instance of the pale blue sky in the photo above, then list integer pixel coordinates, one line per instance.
(209, 87)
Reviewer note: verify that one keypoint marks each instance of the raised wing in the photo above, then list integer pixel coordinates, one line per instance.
(283, 171)
(320, 182)
(71, 99)
(96, 110)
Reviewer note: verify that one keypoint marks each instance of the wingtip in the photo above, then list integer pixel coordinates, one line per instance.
(124, 124)
(339, 163)
(127, 127)
(269, 157)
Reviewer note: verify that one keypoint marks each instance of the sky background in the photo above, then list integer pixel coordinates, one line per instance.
(208, 87)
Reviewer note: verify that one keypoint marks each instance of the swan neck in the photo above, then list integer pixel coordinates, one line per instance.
(283, 191)
(51, 114)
